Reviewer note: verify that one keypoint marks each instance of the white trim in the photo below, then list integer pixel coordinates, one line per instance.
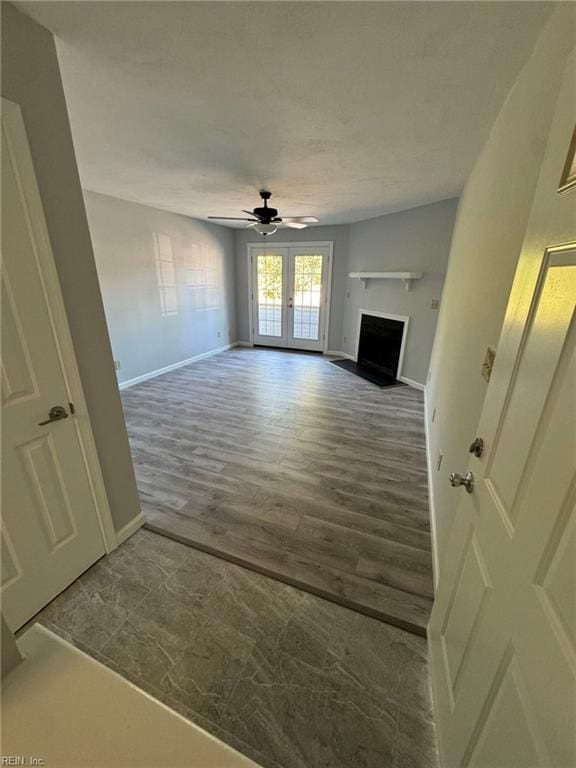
(431, 504)
(401, 318)
(130, 528)
(328, 295)
(17, 142)
(412, 383)
(250, 299)
(294, 244)
(174, 366)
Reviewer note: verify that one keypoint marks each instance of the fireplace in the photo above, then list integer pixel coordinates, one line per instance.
(379, 348)
(380, 344)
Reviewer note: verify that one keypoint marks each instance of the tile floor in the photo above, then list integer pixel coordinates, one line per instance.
(287, 678)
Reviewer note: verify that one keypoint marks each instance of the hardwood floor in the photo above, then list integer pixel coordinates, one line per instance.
(295, 468)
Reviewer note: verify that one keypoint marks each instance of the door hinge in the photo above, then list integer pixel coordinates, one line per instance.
(72, 409)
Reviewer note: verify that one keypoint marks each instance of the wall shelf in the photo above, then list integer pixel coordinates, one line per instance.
(406, 277)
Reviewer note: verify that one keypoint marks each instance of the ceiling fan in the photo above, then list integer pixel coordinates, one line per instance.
(266, 221)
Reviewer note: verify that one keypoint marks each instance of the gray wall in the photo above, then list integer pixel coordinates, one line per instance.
(152, 326)
(31, 78)
(487, 241)
(415, 240)
(337, 234)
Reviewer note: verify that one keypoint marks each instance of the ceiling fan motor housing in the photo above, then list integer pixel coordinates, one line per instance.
(265, 214)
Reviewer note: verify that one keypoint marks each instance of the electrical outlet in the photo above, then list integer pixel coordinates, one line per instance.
(435, 303)
(439, 462)
(347, 294)
(117, 365)
(345, 339)
(219, 334)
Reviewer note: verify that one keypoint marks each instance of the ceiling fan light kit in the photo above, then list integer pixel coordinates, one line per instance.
(264, 229)
(266, 221)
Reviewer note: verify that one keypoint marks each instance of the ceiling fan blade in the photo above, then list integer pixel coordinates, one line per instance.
(254, 216)
(301, 219)
(231, 218)
(293, 224)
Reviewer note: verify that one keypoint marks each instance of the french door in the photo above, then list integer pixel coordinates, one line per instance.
(290, 287)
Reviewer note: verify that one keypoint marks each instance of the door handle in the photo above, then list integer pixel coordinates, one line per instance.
(56, 413)
(467, 481)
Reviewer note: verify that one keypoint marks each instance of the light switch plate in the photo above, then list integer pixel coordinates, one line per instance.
(488, 363)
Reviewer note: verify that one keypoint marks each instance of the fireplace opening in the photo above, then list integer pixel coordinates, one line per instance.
(379, 350)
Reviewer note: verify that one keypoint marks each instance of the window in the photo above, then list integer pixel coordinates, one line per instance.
(165, 274)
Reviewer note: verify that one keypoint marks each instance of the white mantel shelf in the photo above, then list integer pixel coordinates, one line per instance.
(406, 277)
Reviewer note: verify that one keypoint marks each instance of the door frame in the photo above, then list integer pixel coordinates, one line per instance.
(18, 147)
(294, 244)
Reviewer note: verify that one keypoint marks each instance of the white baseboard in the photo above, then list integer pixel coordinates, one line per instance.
(243, 344)
(431, 504)
(126, 531)
(337, 353)
(174, 366)
(412, 383)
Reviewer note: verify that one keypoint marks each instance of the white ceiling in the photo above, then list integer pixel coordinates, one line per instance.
(344, 110)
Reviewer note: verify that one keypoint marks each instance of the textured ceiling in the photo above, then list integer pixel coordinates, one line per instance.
(344, 110)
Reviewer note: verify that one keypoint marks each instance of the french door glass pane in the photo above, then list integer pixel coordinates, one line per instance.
(269, 268)
(307, 295)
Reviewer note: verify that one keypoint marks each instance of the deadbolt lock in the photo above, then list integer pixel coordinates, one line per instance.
(477, 447)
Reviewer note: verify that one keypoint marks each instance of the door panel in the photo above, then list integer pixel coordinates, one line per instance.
(307, 296)
(502, 647)
(270, 267)
(290, 295)
(508, 733)
(50, 526)
(467, 604)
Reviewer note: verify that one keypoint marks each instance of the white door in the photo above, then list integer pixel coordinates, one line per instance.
(51, 530)
(290, 295)
(503, 628)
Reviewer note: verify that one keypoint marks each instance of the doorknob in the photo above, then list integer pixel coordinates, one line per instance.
(467, 481)
(56, 413)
